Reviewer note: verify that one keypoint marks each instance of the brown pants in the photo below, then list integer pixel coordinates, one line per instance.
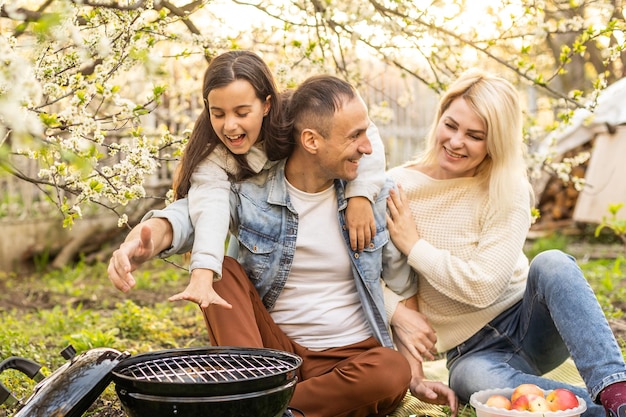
(363, 379)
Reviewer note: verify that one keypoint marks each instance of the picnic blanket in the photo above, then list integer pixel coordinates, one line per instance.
(436, 370)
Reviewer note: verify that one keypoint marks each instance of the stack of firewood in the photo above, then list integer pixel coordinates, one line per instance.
(558, 199)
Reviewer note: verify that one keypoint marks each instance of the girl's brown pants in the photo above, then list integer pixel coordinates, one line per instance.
(363, 379)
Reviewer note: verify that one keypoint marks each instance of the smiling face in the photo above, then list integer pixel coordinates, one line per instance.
(462, 141)
(347, 141)
(320, 158)
(237, 115)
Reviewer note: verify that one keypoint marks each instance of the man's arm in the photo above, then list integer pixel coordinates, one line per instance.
(421, 339)
(161, 232)
(411, 328)
(432, 392)
(144, 241)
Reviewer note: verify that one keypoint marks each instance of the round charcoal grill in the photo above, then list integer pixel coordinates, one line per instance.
(211, 381)
(215, 381)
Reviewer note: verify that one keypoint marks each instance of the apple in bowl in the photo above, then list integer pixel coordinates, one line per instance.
(530, 402)
(498, 401)
(561, 399)
(489, 403)
(525, 389)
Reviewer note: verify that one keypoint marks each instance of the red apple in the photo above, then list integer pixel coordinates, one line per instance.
(530, 402)
(537, 403)
(521, 403)
(525, 389)
(561, 399)
(498, 401)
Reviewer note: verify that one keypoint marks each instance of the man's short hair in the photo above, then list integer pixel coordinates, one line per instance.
(314, 103)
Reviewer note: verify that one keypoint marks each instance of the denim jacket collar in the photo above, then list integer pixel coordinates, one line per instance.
(279, 195)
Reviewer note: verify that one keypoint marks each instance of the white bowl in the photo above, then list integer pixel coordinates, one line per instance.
(478, 399)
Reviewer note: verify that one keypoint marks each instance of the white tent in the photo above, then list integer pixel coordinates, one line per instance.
(605, 178)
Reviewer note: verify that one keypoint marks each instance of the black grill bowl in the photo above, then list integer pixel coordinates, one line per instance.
(205, 372)
(268, 403)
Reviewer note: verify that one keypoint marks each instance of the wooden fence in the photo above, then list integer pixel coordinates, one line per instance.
(30, 223)
(411, 104)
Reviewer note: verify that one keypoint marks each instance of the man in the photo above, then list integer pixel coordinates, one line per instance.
(298, 286)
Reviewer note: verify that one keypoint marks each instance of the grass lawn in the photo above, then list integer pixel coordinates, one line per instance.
(43, 312)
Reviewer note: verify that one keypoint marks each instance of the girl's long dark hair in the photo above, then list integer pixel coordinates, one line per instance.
(274, 136)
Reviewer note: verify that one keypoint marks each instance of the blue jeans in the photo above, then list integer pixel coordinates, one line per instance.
(559, 316)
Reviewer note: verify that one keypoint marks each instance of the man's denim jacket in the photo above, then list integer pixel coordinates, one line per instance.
(266, 225)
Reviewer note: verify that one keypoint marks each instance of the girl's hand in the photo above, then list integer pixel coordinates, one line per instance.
(360, 222)
(200, 290)
(400, 223)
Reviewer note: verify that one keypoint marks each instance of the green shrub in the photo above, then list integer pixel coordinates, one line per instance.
(552, 241)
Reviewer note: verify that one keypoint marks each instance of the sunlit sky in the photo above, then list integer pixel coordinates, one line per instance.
(240, 17)
(481, 18)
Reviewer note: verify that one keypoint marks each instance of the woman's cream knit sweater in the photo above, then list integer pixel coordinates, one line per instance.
(469, 257)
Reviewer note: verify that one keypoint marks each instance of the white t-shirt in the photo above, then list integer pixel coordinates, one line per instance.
(319, 307)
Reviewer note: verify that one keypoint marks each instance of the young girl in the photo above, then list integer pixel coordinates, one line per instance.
(240, 133)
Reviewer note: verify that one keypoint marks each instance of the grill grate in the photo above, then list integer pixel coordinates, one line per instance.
(203, 368)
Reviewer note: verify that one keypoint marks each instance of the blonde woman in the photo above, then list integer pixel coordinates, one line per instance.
(462, 218)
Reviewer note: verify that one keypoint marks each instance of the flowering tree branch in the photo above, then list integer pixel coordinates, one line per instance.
(101, 94)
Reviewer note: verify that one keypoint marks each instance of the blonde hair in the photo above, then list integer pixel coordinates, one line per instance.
(496, 102)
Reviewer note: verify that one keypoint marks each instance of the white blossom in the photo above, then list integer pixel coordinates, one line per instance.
(381, 113)
(123, 220)
(97, 99)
